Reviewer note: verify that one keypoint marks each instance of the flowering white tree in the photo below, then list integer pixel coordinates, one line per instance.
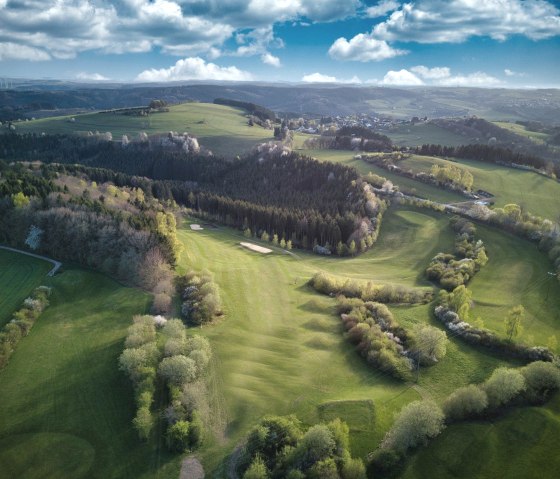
(33, 239)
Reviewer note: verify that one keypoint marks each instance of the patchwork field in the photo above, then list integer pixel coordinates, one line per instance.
(222, 129)
(65, 409)
(280, 348)
(19, 275)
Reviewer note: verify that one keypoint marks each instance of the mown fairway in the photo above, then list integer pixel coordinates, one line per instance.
(536, 193)
(222, 129)
(19, 275)
(65, 409)
(280, 348)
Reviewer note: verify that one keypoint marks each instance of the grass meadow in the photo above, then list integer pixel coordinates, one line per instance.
(19, 275)
(65, 408)
(222, 129)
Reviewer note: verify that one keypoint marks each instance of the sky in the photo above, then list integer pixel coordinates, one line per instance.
(480, 43)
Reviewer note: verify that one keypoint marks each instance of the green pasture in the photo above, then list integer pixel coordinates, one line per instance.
(222, 129)
(536, 193)
(19, 275)
(407, 185)
(65, 408)
(537, 137)
(422, 133)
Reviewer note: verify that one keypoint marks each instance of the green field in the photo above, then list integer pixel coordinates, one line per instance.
(280, 348)
(65, 409)
(407, 185)
(222, 129)
(422, 133)
(536, 193)
(521, 130)
(19, 275)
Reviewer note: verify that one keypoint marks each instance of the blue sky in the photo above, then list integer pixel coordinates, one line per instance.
(486, 43)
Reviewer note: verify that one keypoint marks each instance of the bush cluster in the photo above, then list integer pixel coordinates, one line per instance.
(368, 291)
(201, 297)
(279, 447)
(377, 336)
(181, 362)
(452, 270)
(22, 322)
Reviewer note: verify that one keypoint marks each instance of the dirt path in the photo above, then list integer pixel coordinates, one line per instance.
(191, 468)
(52, 272)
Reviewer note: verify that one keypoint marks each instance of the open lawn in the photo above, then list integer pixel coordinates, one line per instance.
(407, 185)
(222, 129)
(538, 194)
(19, 275)
(65, 409)
(280, 348)
(520, 445)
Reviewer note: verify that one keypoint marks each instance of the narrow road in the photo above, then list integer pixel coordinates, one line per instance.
(52, 272)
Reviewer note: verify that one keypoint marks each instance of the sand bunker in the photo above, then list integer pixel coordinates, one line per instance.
(196, 228)
(257, 248)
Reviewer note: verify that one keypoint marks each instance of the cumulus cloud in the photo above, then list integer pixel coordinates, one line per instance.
(401, 77)
(437, 76)
(321, 78)
(64, 28)
(511, 73)
(91, 76)
(271, 60)
(14, 51)
(363, 48)
(431, 73)
(437, 21)
(382, 8)
(194, 68)
(447, 21)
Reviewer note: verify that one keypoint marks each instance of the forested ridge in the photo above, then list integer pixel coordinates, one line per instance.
(298, 198)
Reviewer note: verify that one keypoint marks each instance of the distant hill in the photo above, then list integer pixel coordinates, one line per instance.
(28, 99)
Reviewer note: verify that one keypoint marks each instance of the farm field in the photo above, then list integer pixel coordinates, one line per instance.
(407, 185)
(521, 130)
(422, 133)
(19, 275)
(285, 353)
(538, 194)
(65, 408)
(222, 129)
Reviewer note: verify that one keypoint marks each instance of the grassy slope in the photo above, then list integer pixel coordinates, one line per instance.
(422, 133)
(536, 193)
(535, 136)
(222, 129)
(520, 445)
(19, 274)
(407, 185)
(280, 349)
(65, 409)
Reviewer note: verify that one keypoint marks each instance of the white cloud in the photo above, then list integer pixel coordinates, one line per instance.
(321, 78)
(194, 68)
(511, 73)
(438, 21)
(363, 48)
(431, 73)
(271, 60)
(477, 79)
(14, 51)
(401, 77)
(438, 76)
(91, 76)
(382, 8)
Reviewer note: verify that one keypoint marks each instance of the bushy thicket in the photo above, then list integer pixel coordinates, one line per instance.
(254, 109)
(137, 245)
(180, 362)
(453, 311)
(452, 270)
(280, 447)
(368, 291)
(22, 321)
(201, 297)
(377, 336)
